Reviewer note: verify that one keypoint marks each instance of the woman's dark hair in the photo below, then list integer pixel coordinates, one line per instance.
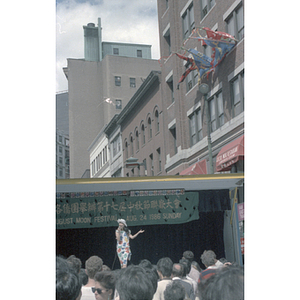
(107, 279)
(126, 229)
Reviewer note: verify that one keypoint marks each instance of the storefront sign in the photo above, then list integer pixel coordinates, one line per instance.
(89, 210)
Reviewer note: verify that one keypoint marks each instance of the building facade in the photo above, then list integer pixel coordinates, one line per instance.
(62, 136)
(99, 87)
(62, 155)
(184, 105)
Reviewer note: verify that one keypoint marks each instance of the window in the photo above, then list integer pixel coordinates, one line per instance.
(195, 120)
(116, 51)
(188, 21)
(220, 108)
(167, 4)
(157, 120)
(131, 145)
(118, 104)
(168, 41)
(139, 53)
(151, 164)
(145, 166)
(143, 134)
(60, 138)
(191, 80)
(126, 149)
(208, 51)
(132, 82)
(171, 89)
(149, 128)
(159, 159)
(237, 94)
(117, 80)
(235, 23)
(137, 144)
(173, 138)
(116, 145)
(60, 149)
(206, 6)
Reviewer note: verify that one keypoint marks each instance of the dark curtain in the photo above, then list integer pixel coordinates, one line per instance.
(156, 242)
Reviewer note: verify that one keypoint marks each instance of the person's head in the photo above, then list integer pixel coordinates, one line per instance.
(208, 258)
(226, 284)
(74, 263)
(186, 266)
(105, 282)
(134, 284)
(93, 265)
(177, 270)
(83, 277)
(122, 223)
(68, 285)
(189, 255)
(147, 265)
(164, 267)
(174, 291)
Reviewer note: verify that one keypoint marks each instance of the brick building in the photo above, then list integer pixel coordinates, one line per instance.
(186, 129)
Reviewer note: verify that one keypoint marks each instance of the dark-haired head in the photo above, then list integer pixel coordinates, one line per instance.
(134, 284)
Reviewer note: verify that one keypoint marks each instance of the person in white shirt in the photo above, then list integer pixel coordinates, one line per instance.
(92, 266)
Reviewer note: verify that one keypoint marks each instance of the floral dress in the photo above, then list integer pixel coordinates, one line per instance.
(123, 248)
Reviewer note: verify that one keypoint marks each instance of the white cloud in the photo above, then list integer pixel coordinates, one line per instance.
(132, 21)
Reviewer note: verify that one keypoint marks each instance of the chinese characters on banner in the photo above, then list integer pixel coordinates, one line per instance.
(89, 210)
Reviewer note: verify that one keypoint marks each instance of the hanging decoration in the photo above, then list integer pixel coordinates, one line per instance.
(220, 42)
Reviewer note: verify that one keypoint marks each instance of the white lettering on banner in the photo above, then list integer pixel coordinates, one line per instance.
(83, 220)
(64, 221)
(228, 154)
(172, 216)
(105, 219)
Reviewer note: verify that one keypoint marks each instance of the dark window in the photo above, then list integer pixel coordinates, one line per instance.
(118, 80)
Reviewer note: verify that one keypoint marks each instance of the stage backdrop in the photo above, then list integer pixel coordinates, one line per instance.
(166, 238)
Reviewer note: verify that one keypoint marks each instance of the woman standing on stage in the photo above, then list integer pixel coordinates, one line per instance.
(123, 234)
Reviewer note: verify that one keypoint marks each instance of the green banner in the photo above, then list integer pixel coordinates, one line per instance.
(103, 211)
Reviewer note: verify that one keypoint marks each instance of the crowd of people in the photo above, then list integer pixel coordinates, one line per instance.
(167, 280)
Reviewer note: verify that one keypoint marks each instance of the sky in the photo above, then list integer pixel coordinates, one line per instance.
(133, 21)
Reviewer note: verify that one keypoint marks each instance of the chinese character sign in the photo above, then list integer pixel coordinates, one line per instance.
(89, 212)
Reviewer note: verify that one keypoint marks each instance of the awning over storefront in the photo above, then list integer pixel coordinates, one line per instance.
(196, 169)
(230, 154)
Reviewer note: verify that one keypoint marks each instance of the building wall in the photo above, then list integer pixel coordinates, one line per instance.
(62, 155)
(93, 96)
(128, 50)
(100, 157)
(152, 148)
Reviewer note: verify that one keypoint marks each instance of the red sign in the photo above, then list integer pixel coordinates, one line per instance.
(242, 246)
